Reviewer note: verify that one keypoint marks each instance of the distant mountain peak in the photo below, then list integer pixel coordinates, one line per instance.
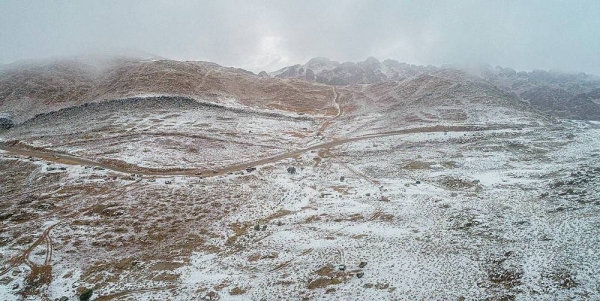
(372, 61)
(319, 60)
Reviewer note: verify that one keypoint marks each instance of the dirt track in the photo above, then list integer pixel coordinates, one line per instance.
(24, 257)
(71, 160)
(336, 104)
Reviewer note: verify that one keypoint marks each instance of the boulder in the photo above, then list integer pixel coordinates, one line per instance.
(6, 123)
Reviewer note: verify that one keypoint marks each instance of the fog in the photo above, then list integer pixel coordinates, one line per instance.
(267, 35)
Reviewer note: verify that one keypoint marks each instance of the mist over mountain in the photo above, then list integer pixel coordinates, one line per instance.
(268, 35)
(120, 162)
(31, 87)
(299, 150)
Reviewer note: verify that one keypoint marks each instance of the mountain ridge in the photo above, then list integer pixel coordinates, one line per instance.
(527, 86)
(30, 88)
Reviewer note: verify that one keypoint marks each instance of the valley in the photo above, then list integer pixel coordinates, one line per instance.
(175, 180)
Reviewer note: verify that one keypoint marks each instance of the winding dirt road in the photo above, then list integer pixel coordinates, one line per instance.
(56, 157)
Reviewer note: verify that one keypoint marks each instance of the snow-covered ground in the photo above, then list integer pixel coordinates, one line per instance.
(499, 214)
(149, 133)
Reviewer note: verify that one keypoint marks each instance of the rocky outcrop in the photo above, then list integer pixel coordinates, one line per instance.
(563, 95)
(370, 71)
(562, 104)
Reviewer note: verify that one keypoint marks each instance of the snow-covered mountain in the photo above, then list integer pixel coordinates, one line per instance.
(559, 93)
(152, 179)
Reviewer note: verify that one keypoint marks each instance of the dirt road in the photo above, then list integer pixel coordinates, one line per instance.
(48, 155)
(336, 105)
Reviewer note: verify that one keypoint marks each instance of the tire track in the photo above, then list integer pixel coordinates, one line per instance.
(24, 256)
(287, 263)
(122, 294)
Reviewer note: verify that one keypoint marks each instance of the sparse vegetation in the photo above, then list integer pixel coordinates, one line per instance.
(214, 196)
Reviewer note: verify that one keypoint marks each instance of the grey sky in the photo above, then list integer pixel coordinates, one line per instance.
(257, 35)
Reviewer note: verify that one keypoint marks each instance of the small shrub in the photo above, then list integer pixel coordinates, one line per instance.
(86, 295)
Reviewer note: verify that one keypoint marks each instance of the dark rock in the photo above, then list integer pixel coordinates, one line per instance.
(362, 264)
(6, 123)
(360, 274)
(291, 170)
(211, 296)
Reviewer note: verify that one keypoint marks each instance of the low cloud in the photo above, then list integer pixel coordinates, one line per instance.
(266, 35)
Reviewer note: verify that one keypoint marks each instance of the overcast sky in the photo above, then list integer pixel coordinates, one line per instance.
(257, 35)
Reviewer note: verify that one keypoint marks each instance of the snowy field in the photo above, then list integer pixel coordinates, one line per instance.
(501, 215)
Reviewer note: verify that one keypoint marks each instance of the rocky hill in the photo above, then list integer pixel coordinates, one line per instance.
(27, 89)
(152, 179)
(30, 89)
(557, 93)
(323, 70)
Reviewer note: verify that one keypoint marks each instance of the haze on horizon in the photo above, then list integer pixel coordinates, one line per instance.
(268, 35)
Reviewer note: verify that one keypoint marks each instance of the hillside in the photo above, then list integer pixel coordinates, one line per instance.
(556, 93)
(153, 179)
(26, 90)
